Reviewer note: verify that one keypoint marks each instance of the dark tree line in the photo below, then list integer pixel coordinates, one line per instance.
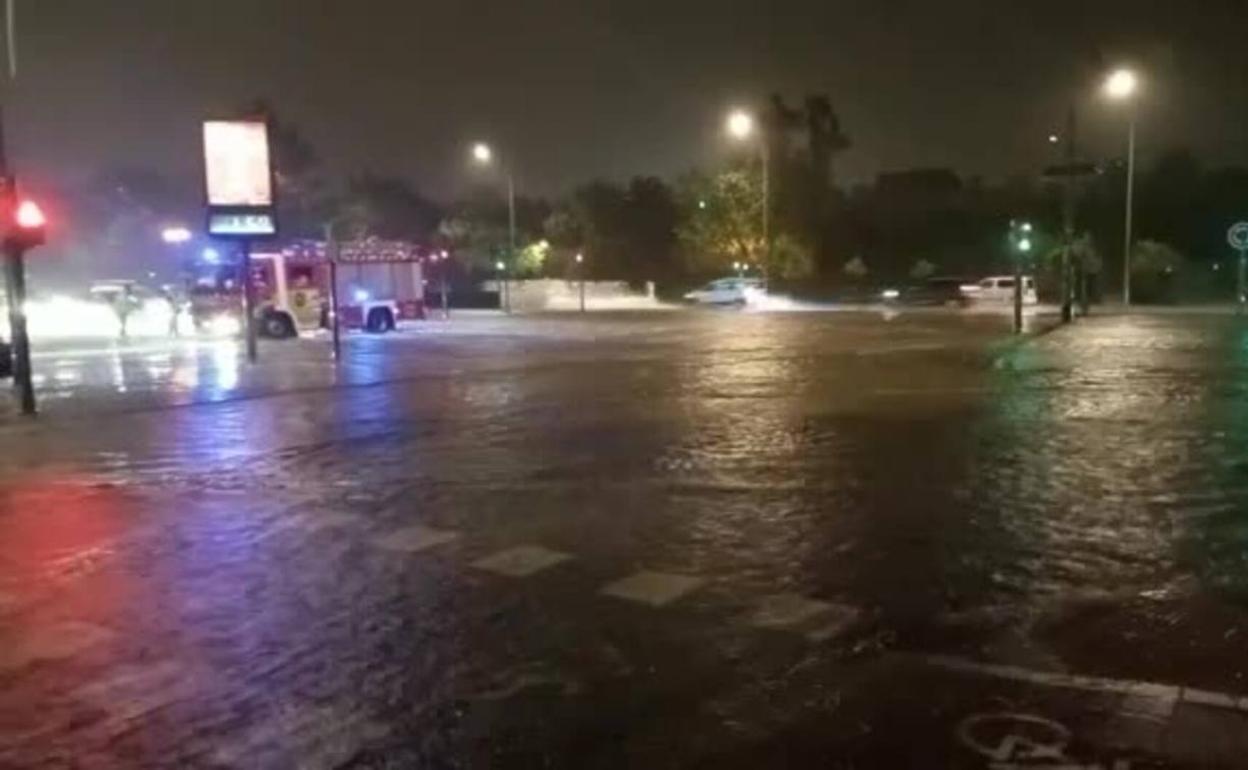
(902, 226)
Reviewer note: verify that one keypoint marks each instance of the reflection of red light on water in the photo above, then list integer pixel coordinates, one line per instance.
(58, 536)
(46, 519)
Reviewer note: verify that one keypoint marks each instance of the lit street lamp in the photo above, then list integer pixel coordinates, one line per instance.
(175, 234)
(436, 257)
(1121, 85)
(484, 155)
(1020, 238)
(741, 126)
(580, 273)
(503, 298)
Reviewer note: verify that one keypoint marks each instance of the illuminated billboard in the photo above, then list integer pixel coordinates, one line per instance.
(236, 162)
(238, 175)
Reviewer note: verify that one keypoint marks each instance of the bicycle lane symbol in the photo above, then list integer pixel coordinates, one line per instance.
(1023, 742)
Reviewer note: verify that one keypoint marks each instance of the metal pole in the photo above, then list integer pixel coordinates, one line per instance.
(1018, 295)
(446, 312)
(335, 325)
(766, 207)
(511, 238)
(15, 272)
(580, 268)
(1068, 222)
(16, 288)
(1243, 257)
(249, 302)
(1126, 241)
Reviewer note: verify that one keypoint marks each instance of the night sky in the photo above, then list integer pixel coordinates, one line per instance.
(571, 89)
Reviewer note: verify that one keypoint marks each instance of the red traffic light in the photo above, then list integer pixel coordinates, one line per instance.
(29, 216)
(28, 227)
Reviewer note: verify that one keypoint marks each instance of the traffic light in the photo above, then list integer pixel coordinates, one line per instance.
(28, 228)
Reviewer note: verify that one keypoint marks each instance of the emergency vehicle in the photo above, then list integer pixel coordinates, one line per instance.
(379, 283)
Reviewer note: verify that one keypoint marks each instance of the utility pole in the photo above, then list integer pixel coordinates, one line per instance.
(249, 301)
(1020, 247)
(511, 237)
(766, 204)
(331, 251)
(1068, 222)
(14, 263)
(1126, 240)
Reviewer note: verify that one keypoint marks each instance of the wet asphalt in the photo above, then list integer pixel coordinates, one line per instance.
(674, 539)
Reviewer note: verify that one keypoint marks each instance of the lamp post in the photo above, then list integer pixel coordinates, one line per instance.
(741, 126)
(580, 273)
(1020, 239)
(1121, 85)
(483, 154)
(443, 256)
(503, 299)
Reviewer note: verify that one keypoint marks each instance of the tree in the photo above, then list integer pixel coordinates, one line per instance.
(626, 232)
(304, 199)
(386, 207)
(922, 270)
(532, 259)
(1155, 271)
(791, 259)
(855, 269)
(722, 216)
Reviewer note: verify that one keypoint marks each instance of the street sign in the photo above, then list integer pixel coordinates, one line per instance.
(1237, 236)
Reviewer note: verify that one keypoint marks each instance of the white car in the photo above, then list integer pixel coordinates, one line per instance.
(1000, 288)
(727, 291)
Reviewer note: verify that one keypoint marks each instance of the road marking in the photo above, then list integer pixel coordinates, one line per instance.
(1024, 741)
(521, 561)
(786, 610)
(1149, 699)
(1007, 737)
(842, 618)
(414, 539)
(654, 588)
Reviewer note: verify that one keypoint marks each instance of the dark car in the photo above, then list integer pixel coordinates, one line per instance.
(934, 292)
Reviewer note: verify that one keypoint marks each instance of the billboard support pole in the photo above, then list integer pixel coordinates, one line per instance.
(332, 247)
(249, 301)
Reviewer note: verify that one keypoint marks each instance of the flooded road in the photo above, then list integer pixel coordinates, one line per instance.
(667, 539)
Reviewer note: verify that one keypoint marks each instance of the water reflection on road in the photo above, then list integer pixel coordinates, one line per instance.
(1043, 503)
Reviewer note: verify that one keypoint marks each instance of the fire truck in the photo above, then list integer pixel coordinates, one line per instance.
(379, 284)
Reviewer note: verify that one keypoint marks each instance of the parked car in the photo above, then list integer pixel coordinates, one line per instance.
(934, 292)
(1000, 288)
(727, 291)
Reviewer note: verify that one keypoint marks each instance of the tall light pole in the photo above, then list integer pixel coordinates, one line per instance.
(1121, 85)
(580, 274)
(742, 127)
(484, 155)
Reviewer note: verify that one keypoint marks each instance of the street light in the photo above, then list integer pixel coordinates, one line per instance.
(484, 155)
(741, 126)
(580, 274)
(175, 234)
(1121, 85)
(1020, 239)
